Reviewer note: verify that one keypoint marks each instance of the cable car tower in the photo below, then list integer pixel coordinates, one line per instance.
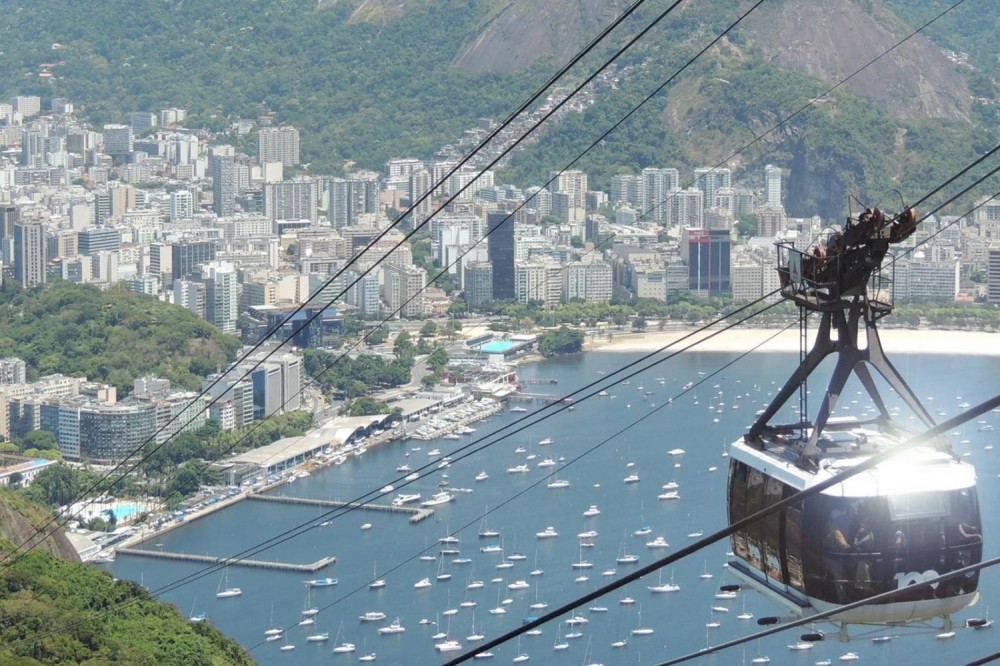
(905, 520)
(832, 278)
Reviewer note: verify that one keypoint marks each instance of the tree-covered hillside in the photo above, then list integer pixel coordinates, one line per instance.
(112, 336)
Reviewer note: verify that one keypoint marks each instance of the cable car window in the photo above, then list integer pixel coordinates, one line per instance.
(912, 506)
(793, 543)
(737, 505)
(772, 530)
(755, 502)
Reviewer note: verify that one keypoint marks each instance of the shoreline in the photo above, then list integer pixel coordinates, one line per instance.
(894, 341)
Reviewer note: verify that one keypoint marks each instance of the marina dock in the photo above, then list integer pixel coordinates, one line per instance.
(416, 514)
(211, 559)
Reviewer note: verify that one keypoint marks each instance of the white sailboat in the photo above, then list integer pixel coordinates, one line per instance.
(641, 630)
(664, 587)
(273, 630)
(345, 647)
(377, 583)
(224, 591)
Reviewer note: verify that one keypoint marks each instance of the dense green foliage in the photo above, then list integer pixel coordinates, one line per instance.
(355, 377)
(40, 594)
(560, 341)
(111, 337)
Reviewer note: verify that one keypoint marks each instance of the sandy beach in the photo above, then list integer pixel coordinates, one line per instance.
(894, 341)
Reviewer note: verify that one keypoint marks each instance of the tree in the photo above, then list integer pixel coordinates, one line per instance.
(15, 479)
(563, 340)
(185, 481)
(39, 440)
(438, 360)
(453, 327)
(428, 330)
(429, 381)
(403, 346)
(639, 323)
(377, 336)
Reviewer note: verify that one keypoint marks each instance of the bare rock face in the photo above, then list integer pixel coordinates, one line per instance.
(16, 529)
(830, 40)
(521, 31)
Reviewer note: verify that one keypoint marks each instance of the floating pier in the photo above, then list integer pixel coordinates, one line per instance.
(211, 559)
(416, 514)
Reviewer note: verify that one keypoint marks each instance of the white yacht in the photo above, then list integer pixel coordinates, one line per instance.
(547, 533)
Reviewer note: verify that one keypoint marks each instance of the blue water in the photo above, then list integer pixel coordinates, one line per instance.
(521, 505)
(124, 511)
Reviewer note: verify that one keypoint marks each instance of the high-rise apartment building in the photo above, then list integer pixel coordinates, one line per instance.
(993, 275)
(181, 205)
(574, 183)
(772, 186)
(657, 186)
(404, 290)
(224, 184)
(29, 253)
(477, 283)
(349, 198)
(278, 144)
(119, 141)
(221, 295)
(711, 179)
(292, 200)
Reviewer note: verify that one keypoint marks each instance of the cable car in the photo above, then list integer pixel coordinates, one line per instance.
(914, 517)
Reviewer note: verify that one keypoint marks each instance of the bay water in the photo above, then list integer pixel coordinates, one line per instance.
(595, 457)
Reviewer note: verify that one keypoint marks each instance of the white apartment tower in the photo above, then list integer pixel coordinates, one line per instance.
(181, 205)
(772, 186)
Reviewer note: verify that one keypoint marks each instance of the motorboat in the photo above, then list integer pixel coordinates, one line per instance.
(592, 511)
(405, 498)
(318, 638)
(557, 483)
(372, 616)
(482, 476)
(322, 582)
(547, 533)
(519, 585)
(438, 499)
(393, 628)
(422, 583)
(658, 542)
(546, 441)
(518, 469)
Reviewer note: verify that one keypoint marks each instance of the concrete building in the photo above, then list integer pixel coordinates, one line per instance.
(13, 371)
(225, 185)
(292, 200)
(657, 186)
(181, 205)
(119, 142)
(278, 144)
(993, 275)
(29, 253)
(221, 295)
(590, 281)
(403, 290)
(709, 180)
(92, 240)
(478, 284)
(772, 186)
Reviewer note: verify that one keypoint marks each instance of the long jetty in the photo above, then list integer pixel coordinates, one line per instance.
(416, 514)
(211, 559)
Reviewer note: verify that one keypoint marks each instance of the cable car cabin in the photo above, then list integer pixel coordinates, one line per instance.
(910, 518)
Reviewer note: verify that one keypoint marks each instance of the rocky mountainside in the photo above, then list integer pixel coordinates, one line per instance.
(829, 41)
(20, 521)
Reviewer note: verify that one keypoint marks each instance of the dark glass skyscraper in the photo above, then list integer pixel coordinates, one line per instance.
(501, 254)
(708, 261)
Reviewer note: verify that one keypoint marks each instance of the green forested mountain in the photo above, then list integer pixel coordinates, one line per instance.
(366, 80)
(112, 336)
